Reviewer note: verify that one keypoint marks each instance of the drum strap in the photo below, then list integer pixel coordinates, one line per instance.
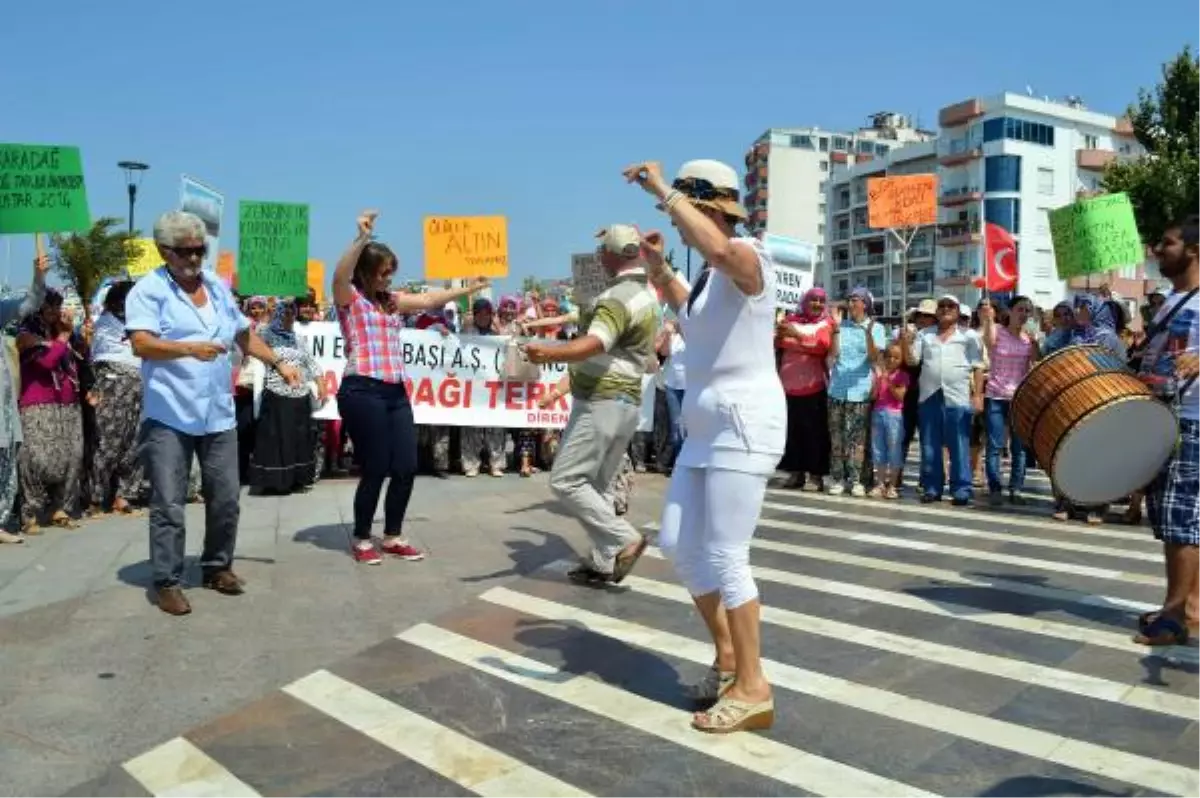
(1155, 328)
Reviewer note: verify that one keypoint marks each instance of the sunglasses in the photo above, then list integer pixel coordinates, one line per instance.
(947, 306)
(190, 252)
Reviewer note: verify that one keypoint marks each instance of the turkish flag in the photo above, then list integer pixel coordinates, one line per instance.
(1001, 268)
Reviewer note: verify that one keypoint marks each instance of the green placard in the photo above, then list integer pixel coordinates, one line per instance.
(272, 248)
(41, 190)
(1095, 235)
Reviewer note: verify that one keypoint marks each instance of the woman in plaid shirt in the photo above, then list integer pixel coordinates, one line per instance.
(372, 399)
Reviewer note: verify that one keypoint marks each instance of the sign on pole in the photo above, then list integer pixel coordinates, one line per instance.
(902, 201)
(1095, 235)
(458, 247)
(272, 248)
(209, 204)
(41, 190)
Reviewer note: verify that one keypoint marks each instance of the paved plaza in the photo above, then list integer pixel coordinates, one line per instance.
(913, 649)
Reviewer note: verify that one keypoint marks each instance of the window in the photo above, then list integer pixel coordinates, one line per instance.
(1006, 127)
(802, 142)
(1004, 212)
(881, 149)
(820, 229)
(1090, 142)
(840, 143)
(866, 147)
(821, 248)
(1002, 173)
(824, 166)
(823, 143)
(960, 259)
(1045, 180)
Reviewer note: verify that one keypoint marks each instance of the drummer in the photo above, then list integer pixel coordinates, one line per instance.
(1173, 498)
(1092, 321)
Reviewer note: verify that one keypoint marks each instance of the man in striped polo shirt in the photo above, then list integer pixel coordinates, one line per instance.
(607, 363)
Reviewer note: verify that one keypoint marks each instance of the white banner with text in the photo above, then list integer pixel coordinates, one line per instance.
(455, 380)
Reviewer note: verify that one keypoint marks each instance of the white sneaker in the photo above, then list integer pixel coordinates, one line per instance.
(858, 490)
(836, 489)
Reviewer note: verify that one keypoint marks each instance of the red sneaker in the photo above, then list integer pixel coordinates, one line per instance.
(366, 556)
(401, 549)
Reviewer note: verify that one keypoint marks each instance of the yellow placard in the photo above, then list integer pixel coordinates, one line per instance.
(465, 246)
(225, 268)
(143, 258)
(316, 278)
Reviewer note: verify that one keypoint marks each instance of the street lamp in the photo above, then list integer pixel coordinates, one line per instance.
(133, 176)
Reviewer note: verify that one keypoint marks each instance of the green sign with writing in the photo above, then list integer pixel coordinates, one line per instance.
(41, 190)
(1095, 235)
(272, 248)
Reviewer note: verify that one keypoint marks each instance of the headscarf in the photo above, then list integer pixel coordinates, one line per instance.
(1098, 320)
(509, 304)
(481, 305)
(33, 324)
(862, 293)
(277, 331)
(805, 316)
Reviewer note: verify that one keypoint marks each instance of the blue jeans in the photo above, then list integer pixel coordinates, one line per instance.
(950, 427)
(675, 415)
(887, 438)
(996, 414)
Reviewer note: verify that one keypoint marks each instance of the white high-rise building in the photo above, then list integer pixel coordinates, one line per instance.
(1006, 159)
(787, 170)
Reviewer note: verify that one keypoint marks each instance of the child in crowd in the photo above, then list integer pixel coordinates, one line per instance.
(887, 422)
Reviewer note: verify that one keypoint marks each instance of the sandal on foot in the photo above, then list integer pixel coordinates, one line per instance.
(709, 690)
(625, 562)
(1162, 631)
(9, 537)
(64, 521)
(729, 715)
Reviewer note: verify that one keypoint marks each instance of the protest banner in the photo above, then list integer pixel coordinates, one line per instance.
(459, 247)
(143, 258)
(1095, 235)
(588, 278)
(209, 204)
(272, 248)
(791, 284)
(452, 380)
(41, 190)
(902, 201)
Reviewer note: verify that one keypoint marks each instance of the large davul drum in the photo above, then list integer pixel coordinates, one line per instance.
(1099, 432)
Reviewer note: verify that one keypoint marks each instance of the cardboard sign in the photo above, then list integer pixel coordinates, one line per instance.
(272, 248)
(143, 258)
(791, 284)
(316, 278)
(1095, 235)
(459, 247)
(41, 190)
(208, 204)
(902, 201)
(225, 269)
(588, 279)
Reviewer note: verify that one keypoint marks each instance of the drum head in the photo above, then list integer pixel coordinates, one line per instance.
(1114, 450)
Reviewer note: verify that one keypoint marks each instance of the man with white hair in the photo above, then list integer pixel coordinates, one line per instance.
(608, 362)
(183, 324)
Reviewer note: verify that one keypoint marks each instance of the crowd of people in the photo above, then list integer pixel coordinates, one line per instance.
(178, 390)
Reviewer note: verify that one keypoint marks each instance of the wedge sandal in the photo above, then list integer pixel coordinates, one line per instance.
(729, 715)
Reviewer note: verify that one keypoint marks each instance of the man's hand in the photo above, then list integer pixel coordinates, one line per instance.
(987, 312)
(207, 351)
(478, 284)
(537, 352)
(290, 374)
(41, 267)
(1187, 365)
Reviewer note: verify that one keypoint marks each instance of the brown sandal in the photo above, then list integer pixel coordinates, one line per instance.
(625, 562)
(63, 521)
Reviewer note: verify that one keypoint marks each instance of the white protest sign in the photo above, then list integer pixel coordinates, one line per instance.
(794, 263)
(588, 278)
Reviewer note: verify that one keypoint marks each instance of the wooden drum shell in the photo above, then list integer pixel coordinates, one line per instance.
(1050, 378)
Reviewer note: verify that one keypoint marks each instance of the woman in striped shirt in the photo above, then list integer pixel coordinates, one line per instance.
(372, 400)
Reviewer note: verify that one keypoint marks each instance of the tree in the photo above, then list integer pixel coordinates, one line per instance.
(1163, 185)
(84, 260)
(531, 284)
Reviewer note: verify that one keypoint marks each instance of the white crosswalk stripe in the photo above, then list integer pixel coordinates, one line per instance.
(1128, 711)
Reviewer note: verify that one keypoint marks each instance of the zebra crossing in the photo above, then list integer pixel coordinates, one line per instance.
(913, 649)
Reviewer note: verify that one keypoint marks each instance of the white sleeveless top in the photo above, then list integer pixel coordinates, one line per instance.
(734, 409)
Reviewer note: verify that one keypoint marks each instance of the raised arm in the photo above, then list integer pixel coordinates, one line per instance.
(738, 262)
(343, 274)
(670, 283)
(432, 300)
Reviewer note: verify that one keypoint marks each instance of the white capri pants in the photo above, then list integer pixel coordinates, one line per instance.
(707, 523)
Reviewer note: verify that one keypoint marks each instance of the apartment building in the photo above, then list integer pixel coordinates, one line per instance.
(787, 170)
(1006, 159)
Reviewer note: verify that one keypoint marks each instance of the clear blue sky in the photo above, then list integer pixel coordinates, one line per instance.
(526, 108)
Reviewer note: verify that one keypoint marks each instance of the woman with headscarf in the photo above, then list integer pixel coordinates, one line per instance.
(475, 440)
(805, 338)
(51, 460)
(285, 435)
(854, 351)
(1089, 320)
(116, 465)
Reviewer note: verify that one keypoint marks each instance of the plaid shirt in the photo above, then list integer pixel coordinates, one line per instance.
(373, 346)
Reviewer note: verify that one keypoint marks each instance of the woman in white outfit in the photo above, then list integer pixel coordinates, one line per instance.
(736, 419)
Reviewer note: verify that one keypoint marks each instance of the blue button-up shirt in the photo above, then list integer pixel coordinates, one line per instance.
(186, 394)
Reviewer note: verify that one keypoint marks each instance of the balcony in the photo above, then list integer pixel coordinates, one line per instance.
(960, 113)
(841, 265)
(920, 253)
(1123, 127)
(841, 234)
(869, 260)
(958, 151)
(960, 196)
(959, 233)
(954, 277)
(919, 287)
(860, 197)
(1095, 160)
(867, 230)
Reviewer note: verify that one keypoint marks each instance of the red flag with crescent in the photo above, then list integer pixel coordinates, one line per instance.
(1001, 268)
